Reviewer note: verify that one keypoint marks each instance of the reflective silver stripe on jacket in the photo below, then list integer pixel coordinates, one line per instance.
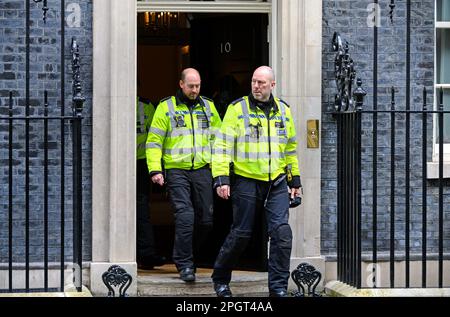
(246, 117)
(224, 137)
(258, 155)
(283, 113)
(222, 151)
(181, 151)
(245, 114)
(188, 132)
(153, 145)
(262, 139)
(158, 132)
(172, 114)
(207, 110)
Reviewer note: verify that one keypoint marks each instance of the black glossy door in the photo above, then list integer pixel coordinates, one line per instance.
(226, 49)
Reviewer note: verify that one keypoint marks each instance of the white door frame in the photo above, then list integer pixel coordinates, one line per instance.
(204, 6)
(295, 54)
(269, 8)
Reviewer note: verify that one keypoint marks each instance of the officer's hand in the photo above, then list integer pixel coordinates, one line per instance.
(295, 192)
(158, 179)
(223, 191)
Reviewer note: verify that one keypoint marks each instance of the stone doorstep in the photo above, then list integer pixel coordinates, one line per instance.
(242, 284)
(339, 289)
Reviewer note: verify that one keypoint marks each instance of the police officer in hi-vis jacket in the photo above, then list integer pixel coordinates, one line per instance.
(147, 257)
(181, 136)
(258, 137)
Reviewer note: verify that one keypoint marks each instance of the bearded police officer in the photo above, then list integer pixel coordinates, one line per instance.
(258, 137)
(181, 135)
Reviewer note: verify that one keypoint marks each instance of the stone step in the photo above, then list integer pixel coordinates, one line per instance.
(165, 281)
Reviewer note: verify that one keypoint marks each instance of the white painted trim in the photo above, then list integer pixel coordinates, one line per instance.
(270, 7)
(446, 152)
(206, 7)
(442, 25)
(273, 40)
(438, 25)
(433, 166)
(114, 138)
(101, 132)
(299, 81)
(433, 170)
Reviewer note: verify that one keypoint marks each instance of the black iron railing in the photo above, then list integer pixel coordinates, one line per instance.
(77, 109)
(348, 165)
(349, 115)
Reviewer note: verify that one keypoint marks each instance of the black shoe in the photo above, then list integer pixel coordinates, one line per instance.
(222, 290)
(282, 293)
(149, 262)
(145, 266)
(159, 260)
(187, 274)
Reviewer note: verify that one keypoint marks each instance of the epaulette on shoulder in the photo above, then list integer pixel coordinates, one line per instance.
(287, 105)
(167, 98)
(209, 99)
(144, 100)
(237, 101)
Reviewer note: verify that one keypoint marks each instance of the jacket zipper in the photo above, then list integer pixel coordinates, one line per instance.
(270, 144)
(270, 149)
(193, 137)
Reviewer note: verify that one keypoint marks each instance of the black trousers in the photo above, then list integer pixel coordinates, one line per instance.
(191, 196)
(248, 197)
(144, 229)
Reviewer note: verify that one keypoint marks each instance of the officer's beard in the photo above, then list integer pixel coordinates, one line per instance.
(264, 106)
(186, 100)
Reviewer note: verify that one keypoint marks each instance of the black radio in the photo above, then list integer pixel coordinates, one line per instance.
(297, 201)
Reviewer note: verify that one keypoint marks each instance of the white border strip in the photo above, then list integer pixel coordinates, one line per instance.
(209, 7)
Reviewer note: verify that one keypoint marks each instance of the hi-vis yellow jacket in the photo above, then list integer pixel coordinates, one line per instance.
(260, 148)
(180, 136)
(144, 115)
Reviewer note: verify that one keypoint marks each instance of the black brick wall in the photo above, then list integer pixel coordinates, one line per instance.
(45, 72)
(349, 18)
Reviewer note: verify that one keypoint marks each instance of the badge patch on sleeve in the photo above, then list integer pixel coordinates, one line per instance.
(281, 132)
(255, 131)
(180, 121)
(279, 124)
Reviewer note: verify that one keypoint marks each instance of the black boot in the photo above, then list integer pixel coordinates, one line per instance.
(149, 262)
(281, 293)
(187, 274)
(222, 290)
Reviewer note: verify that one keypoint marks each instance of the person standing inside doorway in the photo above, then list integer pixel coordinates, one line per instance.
(258, 136)
(147, 258)
(181, 136)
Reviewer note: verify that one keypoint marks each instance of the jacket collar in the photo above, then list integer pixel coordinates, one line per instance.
(182, 99)
(253, 103)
